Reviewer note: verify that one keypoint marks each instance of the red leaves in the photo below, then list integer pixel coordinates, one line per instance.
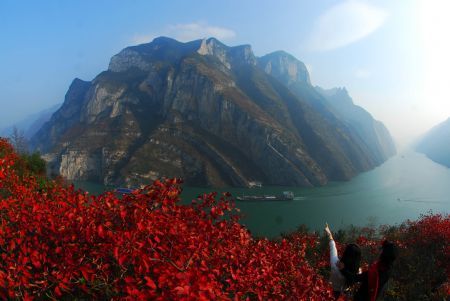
(122, 259)
(149, 282)
(101, 231)
(58, 292)
(63, 243)
(88, 273)
(123, 212)
(431, 233)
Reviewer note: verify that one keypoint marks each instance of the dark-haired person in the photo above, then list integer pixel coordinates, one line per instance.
(344, 271)
(374, 280)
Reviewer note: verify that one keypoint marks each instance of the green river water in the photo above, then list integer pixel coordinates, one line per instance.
(404, 187)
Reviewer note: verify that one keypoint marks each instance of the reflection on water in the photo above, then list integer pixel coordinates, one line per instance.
(404, 187)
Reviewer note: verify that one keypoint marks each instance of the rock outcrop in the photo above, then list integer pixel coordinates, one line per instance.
(285, 67)
(211, 114)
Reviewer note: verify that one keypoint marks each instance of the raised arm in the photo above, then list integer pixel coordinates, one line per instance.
(333, 252)
(328, 231)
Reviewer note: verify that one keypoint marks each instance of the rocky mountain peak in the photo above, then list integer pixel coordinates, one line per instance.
(284, 67)
(341, 91)
(227, 55)
(162, 40)
(336, 91)
(127, 59)
(243, 53)
(142, 56)
(77, 88)
(211, 46)
(211, 114)
(167, 49)
(336, 94)
(215, 48)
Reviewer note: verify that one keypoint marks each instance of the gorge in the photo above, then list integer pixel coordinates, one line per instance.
(213, 115)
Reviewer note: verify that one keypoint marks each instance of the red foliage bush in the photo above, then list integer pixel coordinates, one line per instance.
(423, 266)
(432, 233)
(56, 242)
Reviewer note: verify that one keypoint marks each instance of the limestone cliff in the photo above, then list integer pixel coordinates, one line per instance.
(209, 113)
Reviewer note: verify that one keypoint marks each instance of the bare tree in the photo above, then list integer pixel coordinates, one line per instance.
(19, 141)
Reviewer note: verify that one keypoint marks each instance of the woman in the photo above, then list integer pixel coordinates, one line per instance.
(344, 271)
(374, 280)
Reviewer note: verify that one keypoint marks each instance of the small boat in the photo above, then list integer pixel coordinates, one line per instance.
(254, 184)
(124, 190)
(285, 196)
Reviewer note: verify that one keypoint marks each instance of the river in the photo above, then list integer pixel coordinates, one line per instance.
(404, 187)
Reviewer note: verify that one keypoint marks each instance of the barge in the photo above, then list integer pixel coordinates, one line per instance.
(285, 196)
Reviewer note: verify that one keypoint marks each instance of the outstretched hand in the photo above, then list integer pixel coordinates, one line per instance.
(328, 231)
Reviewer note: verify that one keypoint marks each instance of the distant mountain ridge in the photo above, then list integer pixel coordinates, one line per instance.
(31, 124)
(435, 144)
(211, 114)
(373, 131)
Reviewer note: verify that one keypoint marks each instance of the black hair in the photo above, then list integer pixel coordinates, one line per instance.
(351, 258)
(388, 254)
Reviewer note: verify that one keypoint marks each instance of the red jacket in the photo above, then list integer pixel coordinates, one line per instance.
(373, 278)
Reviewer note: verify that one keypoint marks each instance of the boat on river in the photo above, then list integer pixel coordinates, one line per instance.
(285, 196)
(124, 190)
(254, 184)
(127, 190)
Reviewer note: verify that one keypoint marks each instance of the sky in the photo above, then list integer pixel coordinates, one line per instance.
(392, 56)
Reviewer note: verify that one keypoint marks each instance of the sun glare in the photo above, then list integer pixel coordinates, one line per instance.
(435, 37)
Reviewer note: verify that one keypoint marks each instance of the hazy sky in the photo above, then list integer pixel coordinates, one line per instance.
(392, 56)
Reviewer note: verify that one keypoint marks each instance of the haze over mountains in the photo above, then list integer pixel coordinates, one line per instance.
(31, 124)
(436, 143)
(213, 115)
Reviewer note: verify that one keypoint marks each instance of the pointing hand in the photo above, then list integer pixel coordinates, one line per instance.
(328, 231)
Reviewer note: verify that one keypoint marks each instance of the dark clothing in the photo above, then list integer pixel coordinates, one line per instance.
(363, 293)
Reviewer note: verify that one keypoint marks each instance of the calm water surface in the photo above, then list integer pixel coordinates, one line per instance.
(404, 187)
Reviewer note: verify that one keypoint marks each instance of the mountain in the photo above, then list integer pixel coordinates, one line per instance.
(337, 107)
(31, 124)
(209, 113)
(373, 132)
(436, 143)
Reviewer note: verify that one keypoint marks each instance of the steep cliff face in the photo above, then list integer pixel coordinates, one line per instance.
(355, 140)
(373, 133)
(203, 111)
(284, 67)
(435, 144)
